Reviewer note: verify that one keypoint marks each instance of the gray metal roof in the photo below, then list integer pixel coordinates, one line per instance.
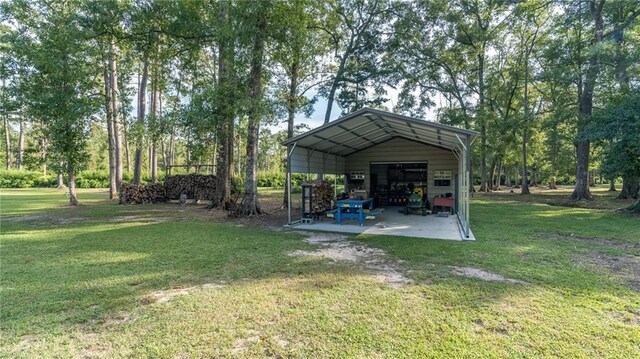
(368, 127)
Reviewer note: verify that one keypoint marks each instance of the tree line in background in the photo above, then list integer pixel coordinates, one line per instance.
(137, 87)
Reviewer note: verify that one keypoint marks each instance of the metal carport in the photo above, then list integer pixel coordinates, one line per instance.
(324, 149)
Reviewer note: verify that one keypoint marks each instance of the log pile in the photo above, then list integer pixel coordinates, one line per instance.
(140, 193)
(195, 186)
(322, 195)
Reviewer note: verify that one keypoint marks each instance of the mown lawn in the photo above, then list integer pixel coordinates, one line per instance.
(92, 282)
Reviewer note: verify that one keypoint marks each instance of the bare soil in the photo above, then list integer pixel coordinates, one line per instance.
(483, 275)
(164, 296)
(603, 242)
(624, 267)
(374, 261)
(273, 215)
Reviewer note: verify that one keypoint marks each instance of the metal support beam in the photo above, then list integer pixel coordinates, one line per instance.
(290, 149)
(468, 170)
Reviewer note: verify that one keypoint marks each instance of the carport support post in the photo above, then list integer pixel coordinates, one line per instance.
(290, 149)
(335, 177)
(467, 160)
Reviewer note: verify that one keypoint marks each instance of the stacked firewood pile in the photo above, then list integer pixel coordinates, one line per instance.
(140, 193)
(195, 186)
(322, 195)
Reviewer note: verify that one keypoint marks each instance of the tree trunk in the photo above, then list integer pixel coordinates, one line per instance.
(497, 184)
(524, 189)
(636, 206)
(7, 141)
(612, 185)
(73, 197)
(335, 83)
(491, 175)
(171, 149)
(43, 155)
(484, 187)
(60, 182)
(250, 205)
(125, 137)
(507, 176)
(291, 113)
(115, 105)
(154, 163)
(582, 144)
(525, 128)
(20, 159)
(224, 130)
(142, 104)
(533, 182)
(163, 150)
(630, 188)
(113, 188)
(552, 184)
(153, 155)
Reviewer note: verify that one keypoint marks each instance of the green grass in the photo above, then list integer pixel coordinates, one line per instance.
(81, 282)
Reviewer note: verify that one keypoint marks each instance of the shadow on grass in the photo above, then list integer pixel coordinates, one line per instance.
(95, 269)
(56, 278)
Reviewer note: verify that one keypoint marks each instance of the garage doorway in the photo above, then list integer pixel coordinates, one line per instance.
(391, 183)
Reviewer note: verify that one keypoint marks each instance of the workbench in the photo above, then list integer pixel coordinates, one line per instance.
(354, 208)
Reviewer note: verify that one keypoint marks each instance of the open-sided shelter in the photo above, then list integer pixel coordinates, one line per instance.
(387, 152)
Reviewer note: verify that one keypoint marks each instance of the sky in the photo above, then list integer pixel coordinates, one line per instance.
(320, 107)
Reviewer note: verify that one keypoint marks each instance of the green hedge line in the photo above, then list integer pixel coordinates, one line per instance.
(85, 179)
(25, 179)
(100, 179)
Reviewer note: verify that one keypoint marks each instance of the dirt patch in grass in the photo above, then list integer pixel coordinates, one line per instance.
(25, 342)
(483, 275)
(602, 242)
(374, 261)
(624, 267)
(117, 319)
(45, 220)
(252, 337)
(273, 215)
(243, 344)
(629, 316)
(139, 218)
(164, 296)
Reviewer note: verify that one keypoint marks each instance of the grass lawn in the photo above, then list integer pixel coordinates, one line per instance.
(103, 280)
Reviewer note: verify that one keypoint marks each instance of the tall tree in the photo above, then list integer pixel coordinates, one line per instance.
(250, 205)
(139, 126)
(356, 29)
(62, 84)
(225, 104)
(298, 50)
(586, 91)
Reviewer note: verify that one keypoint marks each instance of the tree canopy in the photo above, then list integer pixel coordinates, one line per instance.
(551, 86)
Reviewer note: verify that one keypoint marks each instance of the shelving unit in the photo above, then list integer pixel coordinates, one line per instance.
(394, 180)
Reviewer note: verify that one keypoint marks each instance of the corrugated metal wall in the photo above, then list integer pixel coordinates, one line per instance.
(402, 150)
(308, 161)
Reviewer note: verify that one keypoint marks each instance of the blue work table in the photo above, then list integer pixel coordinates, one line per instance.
(354, 208)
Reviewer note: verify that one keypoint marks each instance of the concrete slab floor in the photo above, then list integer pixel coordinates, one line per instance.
(393, 223)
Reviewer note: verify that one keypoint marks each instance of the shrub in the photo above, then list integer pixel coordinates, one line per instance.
(24, 179)
(30, 179)
(93, 179)
(271, 179)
